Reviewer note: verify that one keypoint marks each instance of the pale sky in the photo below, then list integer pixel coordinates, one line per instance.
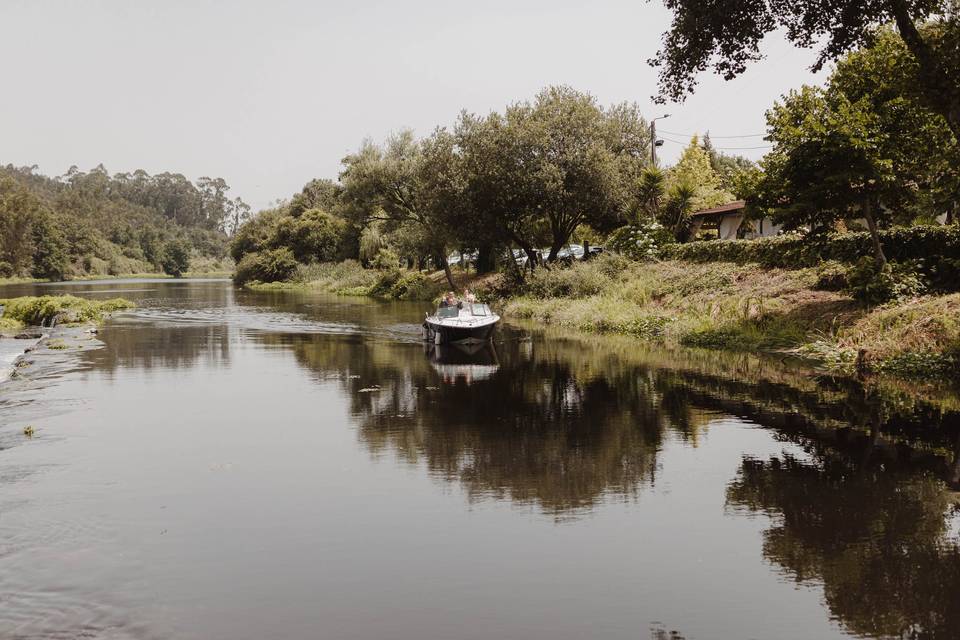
(271, 94)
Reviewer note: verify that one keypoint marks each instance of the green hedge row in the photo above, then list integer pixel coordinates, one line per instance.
(929, 243)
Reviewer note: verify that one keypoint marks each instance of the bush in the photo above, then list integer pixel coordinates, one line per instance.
(272, 265)
(176, 258)
(312, 236)
(46, 310)
(832, 276)
(578, 281)
(936, 245)
(641, 241)
(414, 285)
(896, 281)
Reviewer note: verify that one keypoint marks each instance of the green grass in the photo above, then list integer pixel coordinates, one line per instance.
(745, 308)
(41, 310)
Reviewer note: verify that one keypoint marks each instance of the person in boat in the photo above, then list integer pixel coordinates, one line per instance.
(449, 300)
(468, 296)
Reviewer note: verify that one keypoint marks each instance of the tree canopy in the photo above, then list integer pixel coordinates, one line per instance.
(95, 222)
(726, 37)
(851, 149)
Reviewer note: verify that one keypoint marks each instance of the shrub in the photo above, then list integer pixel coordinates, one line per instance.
(312, 236)
(414, 285)
(896, 281)
(45, 310)
(269, 266)
(175, 258)
(577, 281)
(831, 276)
(936, 245)
(641, 241)
(384, 284)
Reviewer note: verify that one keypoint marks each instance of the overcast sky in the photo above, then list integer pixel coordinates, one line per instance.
(271, 94)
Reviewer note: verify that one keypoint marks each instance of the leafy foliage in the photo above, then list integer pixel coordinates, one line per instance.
(272, 265)
(726, 36)
(97, 223)
(176, 258)
(641, 241)
(45, 310)
(935, 246)
(894, 281)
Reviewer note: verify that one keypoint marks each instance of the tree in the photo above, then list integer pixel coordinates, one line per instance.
(314, 236)
(176, 258)
(850, 149)
(552, 165)
(397, 183)
(238, 212)
(829, 160)
(49, 248)
(18, 210)
(695, 169)
(726, 36)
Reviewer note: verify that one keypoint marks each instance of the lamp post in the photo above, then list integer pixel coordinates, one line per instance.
(654, 143)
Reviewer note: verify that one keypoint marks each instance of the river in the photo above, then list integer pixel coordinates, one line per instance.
(224, 464)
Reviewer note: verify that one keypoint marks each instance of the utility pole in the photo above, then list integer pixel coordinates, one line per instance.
(654, 143)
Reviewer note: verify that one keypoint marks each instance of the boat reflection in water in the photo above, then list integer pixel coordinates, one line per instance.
(463, 362)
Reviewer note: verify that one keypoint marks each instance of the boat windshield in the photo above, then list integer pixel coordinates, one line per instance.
(447, 312)
(477, 309)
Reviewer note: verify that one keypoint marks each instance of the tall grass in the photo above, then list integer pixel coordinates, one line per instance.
(743, 307)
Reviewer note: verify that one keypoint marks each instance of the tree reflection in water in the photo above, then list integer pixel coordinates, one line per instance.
(563, 427)
(876, 538)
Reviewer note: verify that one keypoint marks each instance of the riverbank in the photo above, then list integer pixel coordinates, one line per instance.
(716, 305)
(747, 308)
(199, 268)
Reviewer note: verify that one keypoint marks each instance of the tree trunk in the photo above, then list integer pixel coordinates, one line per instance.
(554, 250)
(513, 261)
(446, 272)
(485, 259)
(878, 254)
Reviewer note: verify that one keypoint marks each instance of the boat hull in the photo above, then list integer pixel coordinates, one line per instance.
(439, 333)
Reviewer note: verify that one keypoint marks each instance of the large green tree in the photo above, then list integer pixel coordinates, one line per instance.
(726, 36)
(545, 167)
(852, 149)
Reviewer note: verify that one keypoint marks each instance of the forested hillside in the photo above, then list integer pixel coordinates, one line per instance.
(94, 223)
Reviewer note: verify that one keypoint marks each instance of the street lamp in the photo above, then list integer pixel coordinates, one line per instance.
(654, 143)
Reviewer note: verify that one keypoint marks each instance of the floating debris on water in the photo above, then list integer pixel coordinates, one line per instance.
(28, 431)
(369, 389)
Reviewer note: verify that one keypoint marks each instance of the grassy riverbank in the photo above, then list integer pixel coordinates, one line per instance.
(746, 307)
(61, 310)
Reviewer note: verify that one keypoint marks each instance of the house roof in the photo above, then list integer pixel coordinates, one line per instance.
(736, 205)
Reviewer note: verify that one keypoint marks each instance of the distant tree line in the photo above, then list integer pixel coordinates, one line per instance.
(94, 222)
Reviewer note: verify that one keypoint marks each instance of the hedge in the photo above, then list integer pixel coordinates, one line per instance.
(929, 243)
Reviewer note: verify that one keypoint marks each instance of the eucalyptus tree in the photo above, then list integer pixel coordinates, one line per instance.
(726, 36)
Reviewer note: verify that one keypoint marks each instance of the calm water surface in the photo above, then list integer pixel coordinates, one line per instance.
(225, 464)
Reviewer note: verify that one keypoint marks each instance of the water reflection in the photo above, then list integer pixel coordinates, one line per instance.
(580, 429)
(876, 539)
